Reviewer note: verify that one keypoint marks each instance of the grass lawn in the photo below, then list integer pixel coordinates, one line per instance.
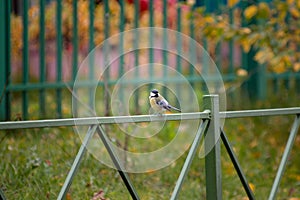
(35, 162)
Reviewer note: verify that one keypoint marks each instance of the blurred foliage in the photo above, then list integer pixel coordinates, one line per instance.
(272, 28)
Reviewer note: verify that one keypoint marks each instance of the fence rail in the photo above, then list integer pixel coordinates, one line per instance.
(209, 127)
(144, 118)
(99, 120)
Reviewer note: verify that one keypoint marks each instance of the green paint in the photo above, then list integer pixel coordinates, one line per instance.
(285, 157)
(59, 53)
(91, 52)
(4, 59)
(189, 158)
(101, 120)
(25, 59)
(213, 150)
(42, 98)
(75, 53)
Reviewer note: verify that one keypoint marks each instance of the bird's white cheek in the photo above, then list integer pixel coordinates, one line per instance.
(152, 94)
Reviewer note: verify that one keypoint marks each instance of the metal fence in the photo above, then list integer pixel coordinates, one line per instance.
(209, 127)
(28, 71)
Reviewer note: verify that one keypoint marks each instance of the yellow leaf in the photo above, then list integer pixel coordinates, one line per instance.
(290, 2)
(264, 10)
(241, 72)
(263, 56)
(246, 30)
(253, 144)
(295, 12)
(246, 46)
(250, 11)
(259, 57)
(231, 3)
(252, 186)
(209, 19)
(286, 60)
(296, 67)
(280, 67)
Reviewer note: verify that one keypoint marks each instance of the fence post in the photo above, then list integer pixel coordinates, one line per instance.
(212, 150)
(4, 58)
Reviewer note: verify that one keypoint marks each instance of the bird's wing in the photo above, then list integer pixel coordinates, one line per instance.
(174, 108)
(163, 103)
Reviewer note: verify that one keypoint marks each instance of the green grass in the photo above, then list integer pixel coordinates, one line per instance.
(35, 162)
(39, 159)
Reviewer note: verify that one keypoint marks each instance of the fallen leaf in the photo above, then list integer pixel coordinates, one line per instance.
(99, 195)
(68, 197)
(252, 186)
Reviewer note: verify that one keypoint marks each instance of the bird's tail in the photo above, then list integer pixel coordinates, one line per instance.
(172, 107)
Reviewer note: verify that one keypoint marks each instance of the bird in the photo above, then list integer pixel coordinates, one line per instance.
(159, 104)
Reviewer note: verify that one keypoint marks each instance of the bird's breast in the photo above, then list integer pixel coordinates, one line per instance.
(154, 104)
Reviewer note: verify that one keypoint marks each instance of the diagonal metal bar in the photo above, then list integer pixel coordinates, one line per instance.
(189, 158)
(117, 163)
(236, 165)
(285, 156)
(2, 197)
(75, 165)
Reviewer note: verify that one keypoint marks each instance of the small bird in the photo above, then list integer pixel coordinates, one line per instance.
(159, 103)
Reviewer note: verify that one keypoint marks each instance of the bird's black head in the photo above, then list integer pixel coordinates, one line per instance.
(154, 93)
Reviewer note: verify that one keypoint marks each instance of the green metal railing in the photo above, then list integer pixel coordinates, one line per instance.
(210, 128)
(9, 87)
(4, 59)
